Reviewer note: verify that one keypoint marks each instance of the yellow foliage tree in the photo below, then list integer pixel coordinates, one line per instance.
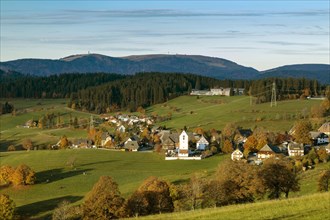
(23, 175)
(7, 207)
(5, 174)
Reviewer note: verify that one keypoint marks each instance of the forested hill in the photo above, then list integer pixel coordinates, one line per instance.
(17, 85)
(143, 89)
(320, 72)
(86, 63)
(147, 89)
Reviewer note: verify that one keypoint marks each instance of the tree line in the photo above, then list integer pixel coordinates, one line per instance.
(54, 86)
(146, 89)
(101, 92)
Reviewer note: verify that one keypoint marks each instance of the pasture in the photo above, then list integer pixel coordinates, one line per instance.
(314, 206)
(216, 111)
(57, 180)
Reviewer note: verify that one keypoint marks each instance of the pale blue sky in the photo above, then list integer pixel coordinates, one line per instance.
(260, 34)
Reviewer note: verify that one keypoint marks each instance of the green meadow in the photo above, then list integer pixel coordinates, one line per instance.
(216, 111)
(13, 132)
(314, 206)
(57, 180)
(189, 111)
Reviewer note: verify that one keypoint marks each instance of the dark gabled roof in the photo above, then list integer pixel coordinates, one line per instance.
(245, 132)
(168, 141)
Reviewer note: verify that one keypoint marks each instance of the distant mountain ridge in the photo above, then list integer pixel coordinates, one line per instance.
(196, 64)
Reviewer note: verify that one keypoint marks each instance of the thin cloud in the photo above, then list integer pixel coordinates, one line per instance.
(287, 43)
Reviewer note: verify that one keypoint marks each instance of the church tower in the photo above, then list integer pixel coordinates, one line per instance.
(184, 144)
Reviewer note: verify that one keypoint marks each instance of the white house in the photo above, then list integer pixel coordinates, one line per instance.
(121, 129)
(295, 149)
(319, 137)
(183, 145)
(237, 155)
(202, 144)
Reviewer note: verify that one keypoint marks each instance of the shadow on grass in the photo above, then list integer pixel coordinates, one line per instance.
(37, 208)
(98, 162)
(53, 175)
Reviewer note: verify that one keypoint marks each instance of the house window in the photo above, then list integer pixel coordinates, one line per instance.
(183, 137)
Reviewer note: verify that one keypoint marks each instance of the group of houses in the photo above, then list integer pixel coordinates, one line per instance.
(218, 92)
(288, 148)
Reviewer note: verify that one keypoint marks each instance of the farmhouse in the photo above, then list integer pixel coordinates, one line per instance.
(202, 144)
(215, 91)
(319, 137)
(242, 135)
(237, 155)
(295, 149)
(265, 152)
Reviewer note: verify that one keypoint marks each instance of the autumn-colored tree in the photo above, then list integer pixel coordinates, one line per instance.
(154, 197)
(6, 173)
(98, 138)
(7, 207)
(251, 144)
(227, 147)
(11, 148)
(141, 110)
(199, 130)
(65, 211)
(317, 111)
(27, 144)
(104, 201)
(91, 133)
(23, 175)
(324, 180)
(235, 182)
(137, 204)
(278, 177)
(156, 138)
(64, 142)
(229, 131)
(322, 155)
(262, 141)
(301, 132)
(145, 133)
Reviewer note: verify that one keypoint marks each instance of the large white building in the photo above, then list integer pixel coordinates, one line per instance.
(217, 91)
(183, 145)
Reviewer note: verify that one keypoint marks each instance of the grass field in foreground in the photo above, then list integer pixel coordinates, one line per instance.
(128, 169)
(216, 111)
(314, 206)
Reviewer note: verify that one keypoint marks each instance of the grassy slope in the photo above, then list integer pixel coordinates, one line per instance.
(314, 206)
(129, 169)
(207, 112)
(13, 133)
(215, 112)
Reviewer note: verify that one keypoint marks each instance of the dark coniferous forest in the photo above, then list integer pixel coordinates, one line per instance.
(101, 92)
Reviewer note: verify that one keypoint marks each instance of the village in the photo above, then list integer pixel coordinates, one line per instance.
(134, 134)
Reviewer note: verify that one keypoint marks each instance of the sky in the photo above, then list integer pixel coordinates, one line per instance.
(262, 34)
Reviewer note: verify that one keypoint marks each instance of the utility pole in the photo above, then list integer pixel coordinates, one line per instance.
(91, 123)
(273, 98)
